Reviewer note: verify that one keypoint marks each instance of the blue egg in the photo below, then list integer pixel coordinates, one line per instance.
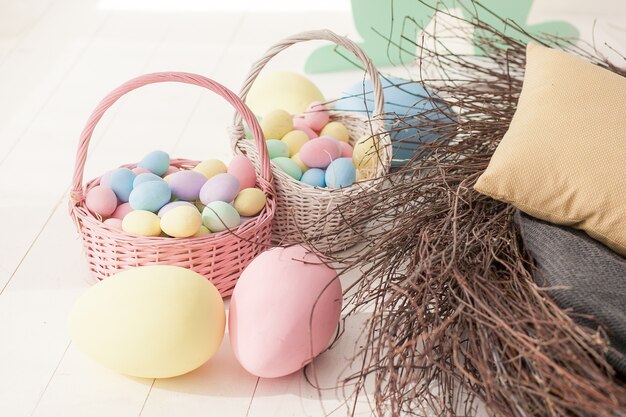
(405, 98)
(121, 182)
(156, 162)
(145, 177)
(340, 173)
(314, 177)
(150, 196)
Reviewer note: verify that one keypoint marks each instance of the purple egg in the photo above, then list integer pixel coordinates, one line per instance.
(173, 204)
(222, 187)
(186, 185)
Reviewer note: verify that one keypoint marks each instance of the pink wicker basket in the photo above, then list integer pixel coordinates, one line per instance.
(220, 257)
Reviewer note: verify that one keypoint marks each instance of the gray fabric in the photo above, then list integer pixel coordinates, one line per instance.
(595, 275)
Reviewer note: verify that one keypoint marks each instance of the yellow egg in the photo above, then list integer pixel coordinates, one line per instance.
(294, 141)
(182, 221)
(202, 231)
(142, 222)
(151, 321)
(211, 167)
(276, 124)
(297, 160)
(365, 158)
(249, 202)
(337, 130)
(282, 90)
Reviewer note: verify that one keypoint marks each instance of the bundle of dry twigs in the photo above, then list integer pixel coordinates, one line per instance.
(456, 313)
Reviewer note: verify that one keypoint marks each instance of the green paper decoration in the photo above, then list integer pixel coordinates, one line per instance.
(377, 21)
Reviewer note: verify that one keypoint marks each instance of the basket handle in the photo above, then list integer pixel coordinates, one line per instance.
(326, 35)
(161, 77)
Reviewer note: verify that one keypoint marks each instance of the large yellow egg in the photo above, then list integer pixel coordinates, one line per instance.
(182, 221)
(282, 90)
(365, 158)
(276, 124)
(211, 167)
(150, 322)
(142, 222)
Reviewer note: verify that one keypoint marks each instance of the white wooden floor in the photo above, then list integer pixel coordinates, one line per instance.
(58, 58)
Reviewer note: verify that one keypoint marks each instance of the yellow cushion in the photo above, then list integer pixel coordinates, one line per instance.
(563, 158)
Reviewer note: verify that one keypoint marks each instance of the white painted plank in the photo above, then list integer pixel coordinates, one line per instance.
(17, 19)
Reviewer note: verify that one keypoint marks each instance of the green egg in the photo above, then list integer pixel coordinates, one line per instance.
(277, 148)
(289, 166)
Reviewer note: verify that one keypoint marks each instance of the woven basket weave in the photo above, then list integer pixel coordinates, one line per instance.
(319, 214)
(220, 257)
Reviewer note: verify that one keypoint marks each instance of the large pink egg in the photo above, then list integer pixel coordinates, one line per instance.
(186, 185)
(242, 169)
(316, 116)
(121, 211)
(222, 187)
(101, 200)
(319, 153)
(284, 311)
(300, 124)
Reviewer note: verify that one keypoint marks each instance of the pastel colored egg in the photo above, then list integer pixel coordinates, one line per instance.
(297, 160)
(346, 150)
(337, 142)
(139, 171)
(211, 167)
(186, 185)
(156, 162)
(218, 216)
(364, 155)
(145, 177)
(121, 182)
(294, 141)
(277, 149)
(336, 130)
(114, 223)
(315, 177)
(300, 124)
(276, 124)
(101, 200)
(150, 196)
(202, 231)
(320, 152)
(182, 221)
(174, 204)
(340, 173)
(249, 202)
(316, 116)
(171, 169)
(305, 298)
(282, 90)
(150, 322)
(222, 187)
(241, 168)
(121, 211)
(289, 167)
(142, 222)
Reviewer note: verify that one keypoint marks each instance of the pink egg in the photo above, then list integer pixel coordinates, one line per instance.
(173, 204)
(346, 149)
(305, 296)
(316, 116)
(172, 169)
(114, 223)
(121, 211)
(242, 169)
(138, 171)
(222, 187)
(319, 153)
(101, 200)
(186, 185)
(300, 124)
